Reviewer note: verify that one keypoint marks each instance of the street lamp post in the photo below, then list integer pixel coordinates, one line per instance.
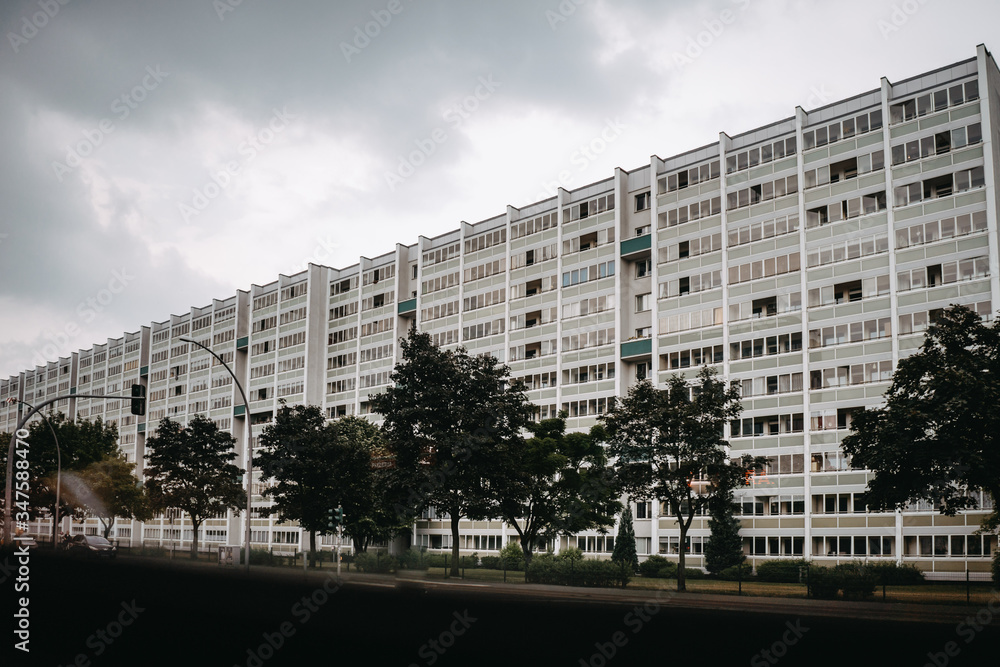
(249, 449)
(55, 438)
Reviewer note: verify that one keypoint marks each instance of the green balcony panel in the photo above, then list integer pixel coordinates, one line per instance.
(638, 244)
(242, 343)
(239, 410)
(144, 371)
(141, 428)
(637, 348)
(407, 307)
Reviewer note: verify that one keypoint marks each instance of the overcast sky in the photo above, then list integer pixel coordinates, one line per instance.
(157, 155)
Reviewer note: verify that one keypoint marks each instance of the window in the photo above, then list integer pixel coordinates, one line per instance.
(643, 268)
(642, 201)
(642, 302)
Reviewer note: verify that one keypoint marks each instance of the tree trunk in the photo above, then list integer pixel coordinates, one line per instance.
(194, 538)
(312, 548)
(526, 545)
(681, 584)
(455, 519)
(108, 526)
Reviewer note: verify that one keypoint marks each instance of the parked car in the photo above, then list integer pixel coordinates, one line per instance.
(93, 546)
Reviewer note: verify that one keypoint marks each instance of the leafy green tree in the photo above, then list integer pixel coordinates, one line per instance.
(317, 466)
(559, 484)
(669, 445)
(725, 546)
(111, 490)
(191, 469)
(624, 551)
(369, 515)
(936, 437)
(81, 443)
(451, 420)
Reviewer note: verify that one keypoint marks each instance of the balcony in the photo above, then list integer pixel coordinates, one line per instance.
(407, 308)
(636, 248)
(637, 349)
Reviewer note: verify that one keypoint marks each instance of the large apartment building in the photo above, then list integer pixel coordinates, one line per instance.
(802, 259)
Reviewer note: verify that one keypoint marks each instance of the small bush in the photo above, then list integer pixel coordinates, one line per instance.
(513, 556)
(490, 563)
(896, 575)
(856, 580)
(693, 573)
(262, 557)
(413, 559)
(823, 583)
(743, 571)
(571, 553)
(547, 569)
(780, 571)
(658, 567)
(376, 563)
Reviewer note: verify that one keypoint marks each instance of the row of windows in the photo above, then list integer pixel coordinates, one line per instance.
(762, 192)
(691, 176)
(692, 320)
(768, 306)
(196, 324)
(937, 144)
(482, 329)
(769, 385)
(343, 286)
(342, 361)
(691, 248)
(439, 283)
(341, 335)
(534, 318)
(442, 338)
(297, 338)
(588, 208)
(772, 266)
(376, 353)
(760, 155)
(929, 232)
(845, 209)
(588, 339)
(943, 274)
(483, 300)
(940, 186)
(538, 381)
(688, 212)
(686, 285)
(589, 407)
(264, 301)
(344, 310)
(695, 357)
(766, 425)
(374, 380)
(853, 332)
(591, 373)
(487, 240)
(589, 240)
(293, 291)
(536, 255)
(533, 226)
(757, 231)
(821, 136)
(294, 315)
(854, 290)
(533, 350)
(439, 310)
(378, 300)
(849, 249)
(376, 327)
(376, 276)
(485, 270)
(264, 324)
(442, 254)
(589, 306)
(588, 273)
(842, 376)
(937, 100)
(844, 169)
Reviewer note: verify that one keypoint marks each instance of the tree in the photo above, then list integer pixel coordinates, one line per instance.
(191, 469)
(316, 466)
(669, 446)
(559, 484)
(369, 515)
(110, 490)
(451, 421)
(725, 546)
(624, 551)
(936, 436)
(81, 443)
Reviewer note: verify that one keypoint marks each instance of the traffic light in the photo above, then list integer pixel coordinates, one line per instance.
(331, 520)
(340, 516)
(138, 400)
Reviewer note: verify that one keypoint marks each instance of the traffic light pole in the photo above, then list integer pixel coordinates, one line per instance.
(249, 456)
(8, 523)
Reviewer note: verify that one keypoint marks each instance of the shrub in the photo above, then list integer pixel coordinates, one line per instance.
(262, 557)
(658, 567)
(571, 553)
(896, 575)
(856, 580)
(736, 572)
(547, 569)
(780, 571)
(377, 563)
(513, 556)
(693, 573)
(823, 583)
(413, 559)
(491, 563)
